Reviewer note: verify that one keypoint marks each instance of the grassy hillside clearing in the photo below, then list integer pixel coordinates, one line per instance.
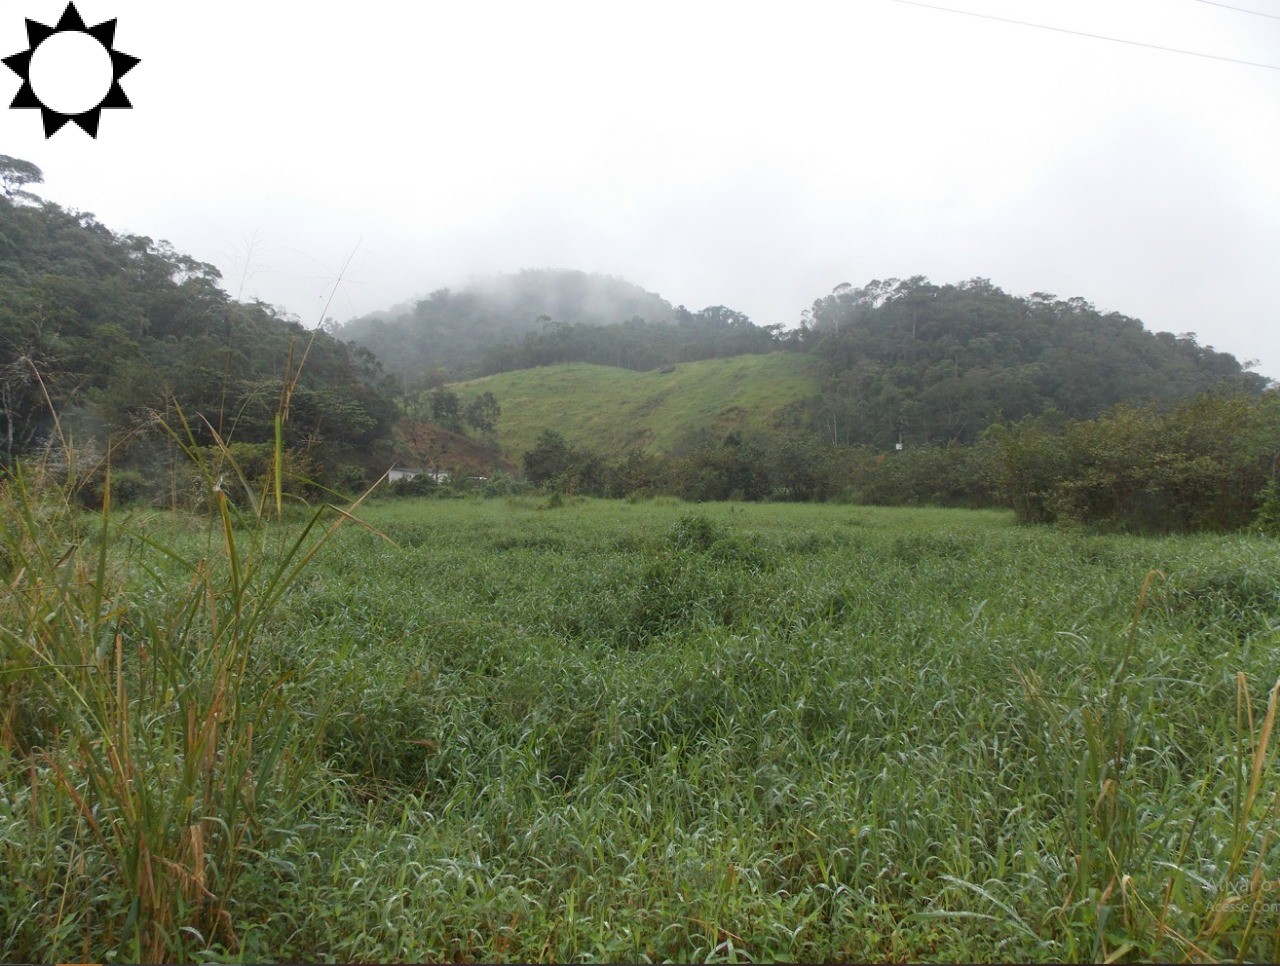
(613, 411)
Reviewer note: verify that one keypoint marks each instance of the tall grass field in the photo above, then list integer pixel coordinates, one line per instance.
(521, 730)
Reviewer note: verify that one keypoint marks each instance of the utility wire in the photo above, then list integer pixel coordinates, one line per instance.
(1227, 6)
(1081, 33)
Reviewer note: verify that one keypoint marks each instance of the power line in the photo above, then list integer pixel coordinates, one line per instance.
(1227, 6)
(1081, 33)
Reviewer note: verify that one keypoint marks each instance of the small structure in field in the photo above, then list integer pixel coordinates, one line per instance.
(397, 473)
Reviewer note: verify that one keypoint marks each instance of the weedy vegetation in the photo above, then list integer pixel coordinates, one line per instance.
(506, 730)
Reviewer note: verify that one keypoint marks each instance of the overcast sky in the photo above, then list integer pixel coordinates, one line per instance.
(748, 155)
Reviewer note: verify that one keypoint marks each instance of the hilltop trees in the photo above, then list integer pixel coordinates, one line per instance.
(120, 331)
(922, 363)
(538, 318)
(15, 174)
(715, 332)
(453, 329)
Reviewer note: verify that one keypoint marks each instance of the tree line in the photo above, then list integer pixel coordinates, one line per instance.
(716, 332)
(1211, 462)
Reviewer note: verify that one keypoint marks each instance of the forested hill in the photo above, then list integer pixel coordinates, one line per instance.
(453, 330)
(897, 361)
(116, 328)
(916, 362)
(904, 361)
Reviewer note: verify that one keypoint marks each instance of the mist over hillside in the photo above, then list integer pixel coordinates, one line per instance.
(452, 328)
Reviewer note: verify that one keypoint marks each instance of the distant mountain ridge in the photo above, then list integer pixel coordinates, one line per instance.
(452, 329)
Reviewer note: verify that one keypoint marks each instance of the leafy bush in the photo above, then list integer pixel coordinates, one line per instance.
(502, 484)
(1203, 465)
(423, 484)
(1268, 519)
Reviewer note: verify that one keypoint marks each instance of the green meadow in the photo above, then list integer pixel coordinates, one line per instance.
(532, 730)
(614, 411)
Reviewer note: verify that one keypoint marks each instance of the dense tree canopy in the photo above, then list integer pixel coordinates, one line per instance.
(120, 329)
(922, 363)
(1207, 463)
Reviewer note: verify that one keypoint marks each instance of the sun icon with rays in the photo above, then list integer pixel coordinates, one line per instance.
(70, 72)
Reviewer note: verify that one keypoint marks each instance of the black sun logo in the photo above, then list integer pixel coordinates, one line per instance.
(70, 72)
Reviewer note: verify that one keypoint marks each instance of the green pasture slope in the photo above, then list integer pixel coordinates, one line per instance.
(613, 411)
(609, 731)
